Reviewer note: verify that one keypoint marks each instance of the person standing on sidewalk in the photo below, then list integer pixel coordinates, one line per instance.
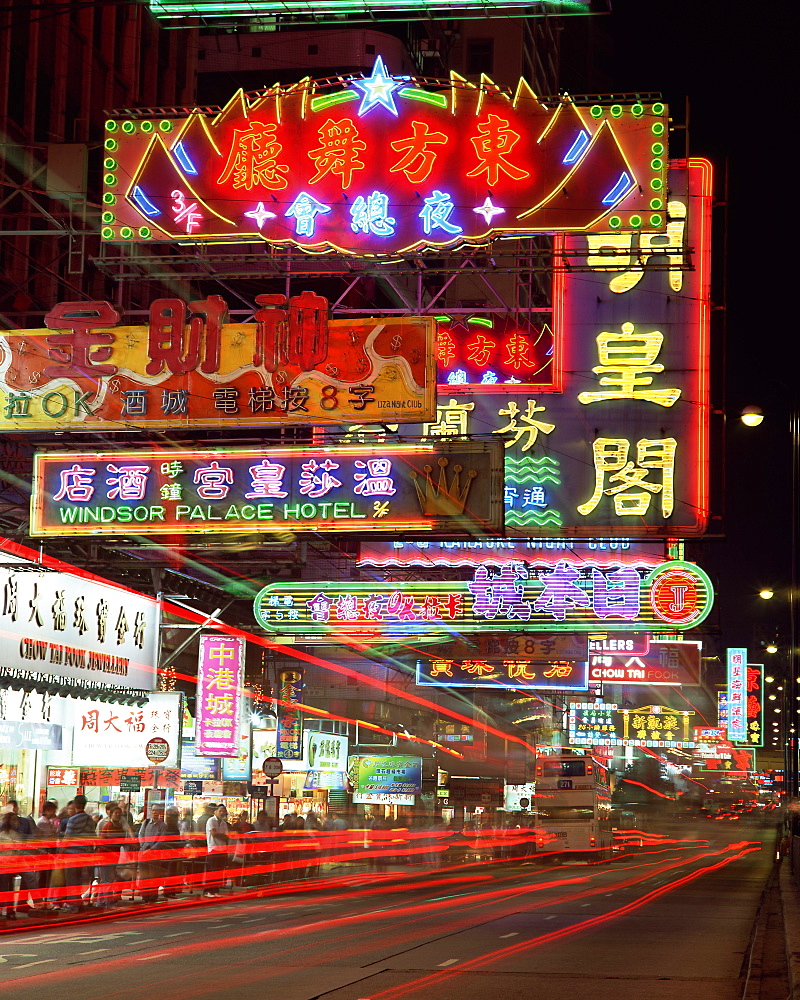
(112, 836)
(152, 843)
(217, 841)
(77, 847)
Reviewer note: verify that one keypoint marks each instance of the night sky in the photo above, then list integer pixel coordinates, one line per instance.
(733, 61)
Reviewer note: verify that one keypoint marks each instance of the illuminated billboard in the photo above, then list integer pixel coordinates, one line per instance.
(609, 725)
(559, 675)
(618, 444)
(664, 664)
(182, 13)
(151, 491)
(383, 164)
(606, 553)
(736, 660)
(188, 367)
(677, 595)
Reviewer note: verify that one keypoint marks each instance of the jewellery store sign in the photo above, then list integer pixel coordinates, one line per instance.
(66, 626)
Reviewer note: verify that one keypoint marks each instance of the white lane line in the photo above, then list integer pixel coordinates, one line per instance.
(147, 958)
(512, 934)
(551, 917)
(450, 961)
(27, 965)
(178, 934)
(94, 951)
(586, 904)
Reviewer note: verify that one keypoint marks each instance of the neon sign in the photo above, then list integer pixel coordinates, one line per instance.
(174, 13)
(754, 706)
(189, 367)
(220, 675)
(736, 659)
(664, 664)
(606, 553)
(559, 675)
(383, 164)
(495, 351)
(633, 463)
(162, 490)
(512, 600)
(609, 725)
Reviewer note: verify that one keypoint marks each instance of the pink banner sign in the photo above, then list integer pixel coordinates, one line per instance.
(220, 674)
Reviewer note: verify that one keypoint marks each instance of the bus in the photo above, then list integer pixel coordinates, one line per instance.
(572, 808)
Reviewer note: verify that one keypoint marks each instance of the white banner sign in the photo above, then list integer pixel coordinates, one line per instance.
(117, 736)
(62, 625)
(321, 752)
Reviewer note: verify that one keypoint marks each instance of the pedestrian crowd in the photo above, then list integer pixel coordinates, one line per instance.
(69, 860)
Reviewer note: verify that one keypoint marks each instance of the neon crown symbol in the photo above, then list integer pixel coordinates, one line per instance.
(437, 499)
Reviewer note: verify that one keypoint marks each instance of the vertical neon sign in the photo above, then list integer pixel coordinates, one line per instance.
(220, 673)
(737, 693)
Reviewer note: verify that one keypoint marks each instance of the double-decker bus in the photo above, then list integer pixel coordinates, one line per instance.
(572, 807)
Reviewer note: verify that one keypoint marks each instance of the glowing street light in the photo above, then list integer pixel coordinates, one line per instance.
(767, 593)
(752, 416)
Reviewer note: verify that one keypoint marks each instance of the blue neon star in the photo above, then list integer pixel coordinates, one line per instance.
(378, 89)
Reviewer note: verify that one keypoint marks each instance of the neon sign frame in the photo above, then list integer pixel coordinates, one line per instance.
(441, 610)
(383, 165)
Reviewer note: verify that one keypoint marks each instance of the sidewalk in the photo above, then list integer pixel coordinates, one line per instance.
(790, 899)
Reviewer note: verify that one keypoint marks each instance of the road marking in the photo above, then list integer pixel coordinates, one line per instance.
(42, 961)
(94, 951)
(450, 961)
(551, 917)
(178, 934)
(147, 958)
(586, 904)
(512, 934)
(18, 954)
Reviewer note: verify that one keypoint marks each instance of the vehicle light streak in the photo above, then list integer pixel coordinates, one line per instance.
(584, 925)
(647, 788)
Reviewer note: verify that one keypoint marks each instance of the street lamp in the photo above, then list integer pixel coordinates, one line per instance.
(752, 416)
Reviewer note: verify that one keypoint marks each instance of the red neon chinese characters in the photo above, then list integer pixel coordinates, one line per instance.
(339, 152)
(417, 160)
(495, 142)
(253, 159)
(71, 351)
(170, 343)
(480, 350)
(293, 332)
(518, 350)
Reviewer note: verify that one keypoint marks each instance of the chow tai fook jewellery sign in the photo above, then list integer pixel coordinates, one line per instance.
(665, 663)
(450, 488)
(121, 737)
(220, 676)
(382, 164)
(677, 595)
(189, 367)
(556, 675)
(66, 626)
(608, 725)
(619, 445)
